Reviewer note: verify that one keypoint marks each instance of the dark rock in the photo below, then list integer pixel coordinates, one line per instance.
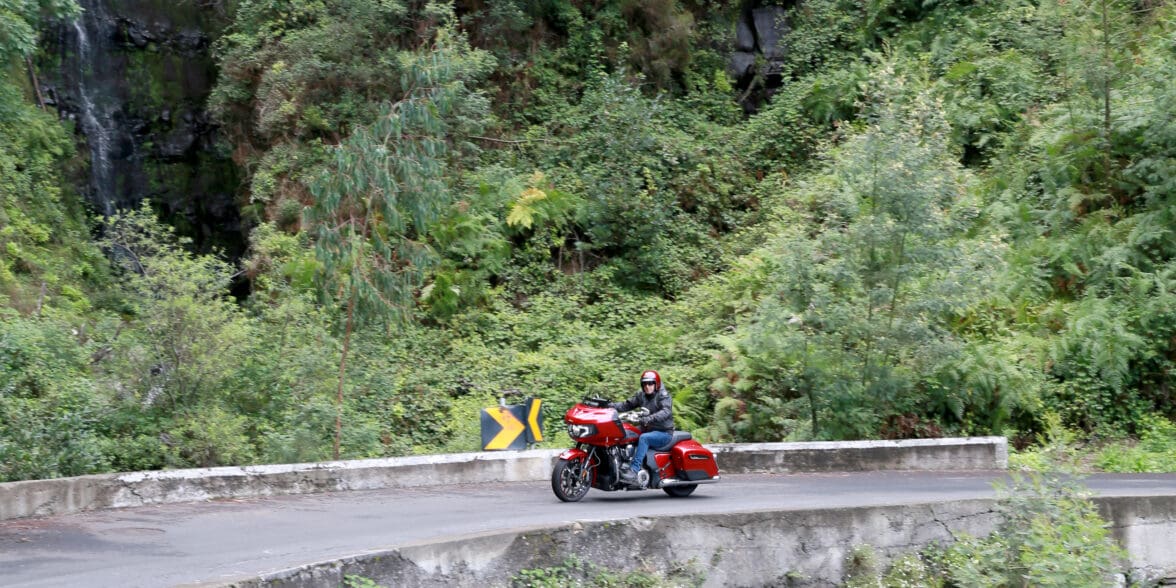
(138, 38)
(771, 27)
(132, 32)
(191, 41)
(744, 36)
(177, 144)
(742, 64)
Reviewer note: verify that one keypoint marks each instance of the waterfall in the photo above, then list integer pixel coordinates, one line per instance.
(96, 114)
(134, 77)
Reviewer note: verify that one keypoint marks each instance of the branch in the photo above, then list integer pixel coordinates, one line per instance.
(134, 257)
(515, 142)
(33, 80)
(103, 352)
(41, 299)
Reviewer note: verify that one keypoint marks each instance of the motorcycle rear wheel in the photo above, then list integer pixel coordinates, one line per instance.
(570, 480)
(680, 491)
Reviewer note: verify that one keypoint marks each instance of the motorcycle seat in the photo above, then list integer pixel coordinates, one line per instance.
(678, 437)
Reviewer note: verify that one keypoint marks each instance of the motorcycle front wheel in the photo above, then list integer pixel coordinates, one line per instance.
(570, 480)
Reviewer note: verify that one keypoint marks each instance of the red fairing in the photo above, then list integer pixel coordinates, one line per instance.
(609, 430)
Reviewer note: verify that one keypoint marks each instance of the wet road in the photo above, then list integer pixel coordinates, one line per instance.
(180, 544)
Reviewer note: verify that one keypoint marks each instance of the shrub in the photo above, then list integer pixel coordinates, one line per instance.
(1155, 451)
(1050, 534)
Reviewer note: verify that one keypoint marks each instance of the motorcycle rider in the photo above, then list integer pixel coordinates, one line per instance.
(657, 427)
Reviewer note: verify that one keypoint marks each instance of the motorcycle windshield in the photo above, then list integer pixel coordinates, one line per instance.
(589, 415)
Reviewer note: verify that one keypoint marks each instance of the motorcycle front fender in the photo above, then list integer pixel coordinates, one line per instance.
(573, 453)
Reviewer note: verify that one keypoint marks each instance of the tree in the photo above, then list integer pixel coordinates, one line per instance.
(1097, 55)
(375, 200)
(42, 237)
(861, 313)
(18, 24)
(188, 334)
(1090, 201)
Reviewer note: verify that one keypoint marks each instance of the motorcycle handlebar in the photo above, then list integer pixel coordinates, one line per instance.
(633, 416)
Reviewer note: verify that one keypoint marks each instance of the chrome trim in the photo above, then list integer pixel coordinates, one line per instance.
(677, 482)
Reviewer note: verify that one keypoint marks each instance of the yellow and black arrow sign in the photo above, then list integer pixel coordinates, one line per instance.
(502, 426)
(534, 420)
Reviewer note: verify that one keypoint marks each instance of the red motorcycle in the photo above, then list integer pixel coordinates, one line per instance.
(605, 443)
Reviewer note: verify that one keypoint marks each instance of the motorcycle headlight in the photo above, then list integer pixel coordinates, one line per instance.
(578, 431)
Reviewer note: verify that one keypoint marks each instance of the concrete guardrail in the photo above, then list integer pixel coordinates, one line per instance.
(797, 548)
(68, 495)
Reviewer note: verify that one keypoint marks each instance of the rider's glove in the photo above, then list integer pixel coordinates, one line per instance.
(643, 421)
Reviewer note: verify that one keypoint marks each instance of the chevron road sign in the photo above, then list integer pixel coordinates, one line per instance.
(534, 420)
(503, 426)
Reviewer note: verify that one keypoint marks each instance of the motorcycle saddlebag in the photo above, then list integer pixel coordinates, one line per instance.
(693, 461)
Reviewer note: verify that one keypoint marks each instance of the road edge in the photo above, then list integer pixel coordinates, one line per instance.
(36, 498)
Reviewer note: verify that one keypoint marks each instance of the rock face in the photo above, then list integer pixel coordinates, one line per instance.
(744, 36)
(771, 28)
(761, 36)
(134, 76)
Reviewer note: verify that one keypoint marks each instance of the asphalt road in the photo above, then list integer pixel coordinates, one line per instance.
(180, 544)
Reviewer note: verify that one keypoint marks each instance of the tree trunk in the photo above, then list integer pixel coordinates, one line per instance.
(812, 398)
(1106, 97)
(342, 374)
(808, 390)
(35, 83)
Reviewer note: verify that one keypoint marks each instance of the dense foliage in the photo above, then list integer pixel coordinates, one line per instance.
(1050, 534)
(938, 219)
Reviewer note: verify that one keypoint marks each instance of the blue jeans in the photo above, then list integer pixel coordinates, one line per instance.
(652, 438)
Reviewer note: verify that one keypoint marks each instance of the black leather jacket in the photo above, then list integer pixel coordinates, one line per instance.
(659, 404)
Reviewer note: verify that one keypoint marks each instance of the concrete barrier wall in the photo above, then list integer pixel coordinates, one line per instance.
(969, 453)
(774, 548)
(68, 495)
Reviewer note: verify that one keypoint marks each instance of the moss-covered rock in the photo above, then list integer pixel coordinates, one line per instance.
(139, 72)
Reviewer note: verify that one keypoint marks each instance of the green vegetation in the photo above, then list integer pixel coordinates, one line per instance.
(1154, 450)
(947, 219)
(575, 572)
(1050, 534)
(355, 581)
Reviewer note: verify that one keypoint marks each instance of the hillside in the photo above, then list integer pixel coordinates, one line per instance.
(823, 220)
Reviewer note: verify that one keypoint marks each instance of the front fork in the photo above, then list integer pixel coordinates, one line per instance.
(591, 459)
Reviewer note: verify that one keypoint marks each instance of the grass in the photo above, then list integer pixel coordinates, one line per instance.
(1154, 451)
